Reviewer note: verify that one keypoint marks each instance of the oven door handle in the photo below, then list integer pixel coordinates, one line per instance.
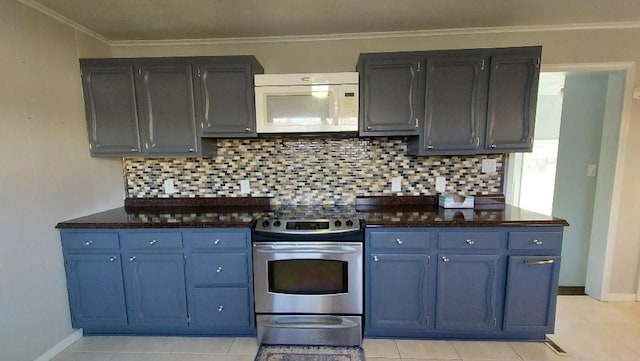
(302, 249)
(331, 324)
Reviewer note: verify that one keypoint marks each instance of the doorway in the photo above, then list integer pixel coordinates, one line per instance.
(572, 166)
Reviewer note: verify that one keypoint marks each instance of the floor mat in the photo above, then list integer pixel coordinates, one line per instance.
(309, 353)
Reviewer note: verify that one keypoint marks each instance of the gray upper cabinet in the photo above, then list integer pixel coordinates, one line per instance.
(454, 102)
(512, 96)
(391, 89)
(110, 106)
(158, 107)
(475, 101)
(165, 99)
(225, 104)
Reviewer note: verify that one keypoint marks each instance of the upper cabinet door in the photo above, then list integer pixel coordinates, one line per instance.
(166, 106)
(455, 102)
(513, 88)
(391, 96)
(225, 100)
(110, 105)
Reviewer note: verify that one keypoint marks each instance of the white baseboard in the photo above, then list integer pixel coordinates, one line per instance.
(621, 297)
(55, 350)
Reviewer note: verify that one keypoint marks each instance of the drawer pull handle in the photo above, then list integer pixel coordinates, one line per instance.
(216, 242)
(88, 243)
(132, 258)
(537, 242)
(112, 258)
(471, 242)
(152, 242)
(375, 259)
(538, 261)
(445, 259)
(219, 269)
(399, 241)
(220, 308)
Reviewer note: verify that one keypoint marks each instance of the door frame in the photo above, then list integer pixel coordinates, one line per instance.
(599, 265)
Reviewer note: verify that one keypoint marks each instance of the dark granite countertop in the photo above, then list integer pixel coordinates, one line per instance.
(434, 216)
(410, 212)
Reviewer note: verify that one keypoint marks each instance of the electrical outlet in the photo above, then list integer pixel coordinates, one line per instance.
(488, 166)
(592, 170)
(245, 187)
(441, 184)
(396, 184)
(169, 187)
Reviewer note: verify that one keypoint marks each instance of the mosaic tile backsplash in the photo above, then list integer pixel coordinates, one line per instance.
(310, 171)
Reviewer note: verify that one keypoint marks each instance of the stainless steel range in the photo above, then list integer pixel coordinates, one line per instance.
(308, 277)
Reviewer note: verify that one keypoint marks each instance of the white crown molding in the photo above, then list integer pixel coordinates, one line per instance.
(333, 37)
(45, 10)
(379, 35)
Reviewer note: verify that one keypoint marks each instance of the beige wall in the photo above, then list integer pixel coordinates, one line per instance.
(559, 47)
(46, 174)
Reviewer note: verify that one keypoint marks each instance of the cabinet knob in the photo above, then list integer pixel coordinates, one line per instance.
(88, 243)
(247, 129)
(471, 242)
(368, 127)
(132, 258)
(537, 242)
(399, 241)
(375, 259)
(219, 269)
(429, 146)
(220, 308)
(445, 259)
(216, 242)
(493, 146)
(134, 149)
(191, 150)
(112, 258)
(152, 242)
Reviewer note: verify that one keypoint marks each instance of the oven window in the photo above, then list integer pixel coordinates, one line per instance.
(308, 276)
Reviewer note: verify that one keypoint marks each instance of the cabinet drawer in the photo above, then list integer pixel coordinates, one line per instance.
(219, 307)
(214, 269)
(400, 240)
(535, 240)
(470, 240)
(90, 241)
(153, 240)
(218, 240)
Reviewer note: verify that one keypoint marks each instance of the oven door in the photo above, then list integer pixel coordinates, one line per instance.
(308, 277)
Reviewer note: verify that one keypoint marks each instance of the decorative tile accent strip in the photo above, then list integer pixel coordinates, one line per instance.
(310, 171)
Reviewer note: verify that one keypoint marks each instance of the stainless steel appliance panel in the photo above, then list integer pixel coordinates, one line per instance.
(349, 301)
(309, 330)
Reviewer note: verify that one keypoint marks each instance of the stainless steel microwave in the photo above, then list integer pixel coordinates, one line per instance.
(306, 103)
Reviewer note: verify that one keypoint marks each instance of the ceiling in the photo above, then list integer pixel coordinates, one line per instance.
(118, 20)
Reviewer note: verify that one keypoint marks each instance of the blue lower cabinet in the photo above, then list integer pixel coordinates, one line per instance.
(221, 308)
(467, 292)
(532, 285)
(400, 293)
(155, 290)
(160, 281)
(96, 291)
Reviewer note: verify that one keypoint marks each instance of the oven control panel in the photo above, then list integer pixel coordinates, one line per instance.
(307, 226)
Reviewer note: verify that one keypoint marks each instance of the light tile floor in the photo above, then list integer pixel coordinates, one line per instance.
(587, 329)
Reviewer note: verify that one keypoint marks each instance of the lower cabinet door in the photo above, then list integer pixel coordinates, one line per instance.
(155, 289)
(399, 293)
(96, 292)
(221, 307)
(467, 292)
(532, 287)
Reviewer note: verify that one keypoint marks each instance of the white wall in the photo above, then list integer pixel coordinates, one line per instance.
(46, 174)
(559, 48)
